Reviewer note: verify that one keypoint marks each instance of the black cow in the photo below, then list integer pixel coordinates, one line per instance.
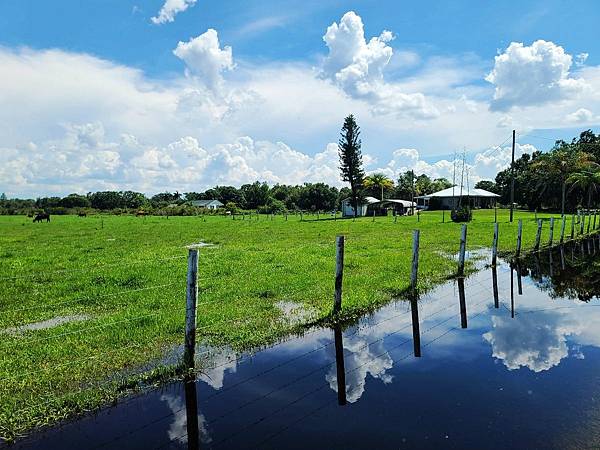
(41, 216)
(82, 214)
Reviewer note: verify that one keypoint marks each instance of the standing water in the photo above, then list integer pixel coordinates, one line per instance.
(507, 357)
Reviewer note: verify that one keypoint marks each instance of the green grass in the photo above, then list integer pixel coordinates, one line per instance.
(127, 276)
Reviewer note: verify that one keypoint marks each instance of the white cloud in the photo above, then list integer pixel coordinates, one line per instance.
(484, 165)
(204, 58)
(357, 66)
(532, 75)
(170, 9)
(582, 115)
(104, 125)
(581, 58)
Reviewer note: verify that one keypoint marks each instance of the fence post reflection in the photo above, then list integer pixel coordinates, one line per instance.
(512, 292)
(191, 411)
(495, 287)
(519, 280)
(414, 311)
(463, 304)
(339, 364)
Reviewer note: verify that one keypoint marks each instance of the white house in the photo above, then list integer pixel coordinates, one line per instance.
(371, 204)
(449, 198)
(208, 204)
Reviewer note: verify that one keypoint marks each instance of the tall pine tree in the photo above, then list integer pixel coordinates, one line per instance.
(351, 159)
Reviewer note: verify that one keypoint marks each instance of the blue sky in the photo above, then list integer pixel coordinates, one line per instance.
(100, 88)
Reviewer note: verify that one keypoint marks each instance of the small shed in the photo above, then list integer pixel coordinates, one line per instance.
(381, 208)
(208, 204)
(348, 207)
(449, 198)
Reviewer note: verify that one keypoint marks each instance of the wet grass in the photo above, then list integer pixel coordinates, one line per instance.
(126, 275)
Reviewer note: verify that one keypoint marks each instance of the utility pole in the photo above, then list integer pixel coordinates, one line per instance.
(512, 178)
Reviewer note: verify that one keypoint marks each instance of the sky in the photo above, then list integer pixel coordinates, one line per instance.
(183, 95)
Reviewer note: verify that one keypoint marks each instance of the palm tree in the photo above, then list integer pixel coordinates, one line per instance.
(558, 165)
(586, 180)
(378, 180)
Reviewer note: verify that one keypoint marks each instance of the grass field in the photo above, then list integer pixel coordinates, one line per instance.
(122, 280)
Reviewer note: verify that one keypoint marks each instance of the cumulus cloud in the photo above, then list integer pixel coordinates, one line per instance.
(484, 165)
(170, 9)
(582, 115)
(357, 66)
(532, 75)
(204, 58)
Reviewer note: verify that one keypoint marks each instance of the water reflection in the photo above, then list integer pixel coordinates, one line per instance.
(575, 279)
(339, 363)
(462, 302)
(414, 311)
(495, 287)
(187, 425)
(362, 354)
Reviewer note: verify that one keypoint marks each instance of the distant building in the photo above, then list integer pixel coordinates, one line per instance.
(208, 204)
(381, 208)
(448, 198)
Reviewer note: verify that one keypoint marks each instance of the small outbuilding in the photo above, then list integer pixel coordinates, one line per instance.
(371, 205)
(208, 204)
(449, 198)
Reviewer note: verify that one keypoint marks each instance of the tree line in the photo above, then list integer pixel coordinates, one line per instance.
(257, 196)
(564, 179)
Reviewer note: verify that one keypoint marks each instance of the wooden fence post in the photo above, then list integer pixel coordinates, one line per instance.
(462, 250)
(190, 308)
(581, 224)
(538, 235)
(415, 262)
(551, 234)
(373, 214)
(519, 236)
(443, 216)
(589, 221)
(562, 229)
(339, 273)
(573, 227)
(495, 244)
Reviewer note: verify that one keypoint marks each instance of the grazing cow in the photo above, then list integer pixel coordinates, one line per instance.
(82, 214)
(41, 216)
(141, 213)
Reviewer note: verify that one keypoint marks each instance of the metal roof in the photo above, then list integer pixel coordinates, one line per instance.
(471, 192)
(373, 200)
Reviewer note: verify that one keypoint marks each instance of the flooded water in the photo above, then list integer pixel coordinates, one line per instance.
(473, 364)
